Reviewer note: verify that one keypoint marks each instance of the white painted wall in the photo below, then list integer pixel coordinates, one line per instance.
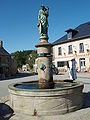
(75, 47)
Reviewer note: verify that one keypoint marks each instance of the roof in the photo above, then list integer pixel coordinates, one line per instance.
(83, 31)
(70, 30)
(4, 52)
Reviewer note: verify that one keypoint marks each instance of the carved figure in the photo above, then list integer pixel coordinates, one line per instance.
(43, 21)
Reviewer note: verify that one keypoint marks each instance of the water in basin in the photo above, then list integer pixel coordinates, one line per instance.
(34, 85)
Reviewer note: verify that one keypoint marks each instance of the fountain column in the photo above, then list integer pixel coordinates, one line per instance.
(45, 75)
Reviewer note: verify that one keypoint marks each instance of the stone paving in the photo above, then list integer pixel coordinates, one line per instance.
(78, 115)
(82, 114)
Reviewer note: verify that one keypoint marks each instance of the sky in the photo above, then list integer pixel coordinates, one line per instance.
(18, 21)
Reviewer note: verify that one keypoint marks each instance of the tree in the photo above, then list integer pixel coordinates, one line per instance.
(24, 57)
(31, 59)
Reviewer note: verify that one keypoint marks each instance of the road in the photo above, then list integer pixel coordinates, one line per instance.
(84, 77)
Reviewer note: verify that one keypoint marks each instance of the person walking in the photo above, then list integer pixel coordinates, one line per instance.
(72, 69)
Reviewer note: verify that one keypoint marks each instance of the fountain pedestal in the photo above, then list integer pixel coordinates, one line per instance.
(45, 74)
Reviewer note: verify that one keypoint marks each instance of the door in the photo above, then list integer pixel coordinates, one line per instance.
(1, 70)
(82, 64)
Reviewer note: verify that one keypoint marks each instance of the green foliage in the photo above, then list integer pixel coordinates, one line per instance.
(31, 59)
(24, 57)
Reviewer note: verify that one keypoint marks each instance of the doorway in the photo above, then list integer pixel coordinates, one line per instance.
(82, 64)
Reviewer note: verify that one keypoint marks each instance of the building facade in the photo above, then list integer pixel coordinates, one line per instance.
(8, 65)
(26, 67)
(75, 44)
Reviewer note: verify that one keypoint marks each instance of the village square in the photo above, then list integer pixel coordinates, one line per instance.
(49, 78)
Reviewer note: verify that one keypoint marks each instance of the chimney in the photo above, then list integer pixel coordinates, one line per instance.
(1, 44)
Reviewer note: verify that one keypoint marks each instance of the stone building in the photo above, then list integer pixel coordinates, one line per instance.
(75, 44)
(8, 65)
(26, 67)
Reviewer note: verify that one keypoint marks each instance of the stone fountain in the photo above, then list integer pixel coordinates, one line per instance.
(45, 96)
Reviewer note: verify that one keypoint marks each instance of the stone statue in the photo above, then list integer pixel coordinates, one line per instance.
(43, 22)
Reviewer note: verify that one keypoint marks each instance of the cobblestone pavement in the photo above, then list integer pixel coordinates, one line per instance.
(82, 114)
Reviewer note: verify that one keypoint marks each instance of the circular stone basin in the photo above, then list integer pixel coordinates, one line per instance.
(27, 98)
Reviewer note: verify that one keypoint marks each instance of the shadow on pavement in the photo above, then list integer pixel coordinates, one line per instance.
(5, 111)
(86, 100)
(18, 75)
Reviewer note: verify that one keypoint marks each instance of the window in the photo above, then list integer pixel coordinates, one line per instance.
(70, 49)
(59, 51)
(0, 59)
(60, 64)
(8, 59)
(69, 35)
(81, 47)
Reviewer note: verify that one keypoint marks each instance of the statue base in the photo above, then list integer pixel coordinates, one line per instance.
(43, 36)
(43, 40)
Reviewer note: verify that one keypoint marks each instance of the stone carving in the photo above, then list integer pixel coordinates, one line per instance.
(43, 22)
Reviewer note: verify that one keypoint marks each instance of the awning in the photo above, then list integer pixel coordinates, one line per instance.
(65, 59)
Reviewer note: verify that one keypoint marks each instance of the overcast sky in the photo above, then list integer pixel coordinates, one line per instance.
(18, 20)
